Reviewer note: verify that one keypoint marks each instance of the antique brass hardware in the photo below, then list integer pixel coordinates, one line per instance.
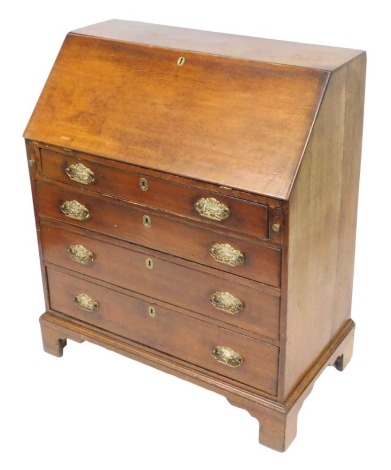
(85, 302)
(80, 254)
(276, 227)
(151, 311)
(80, 173)
(181, 61)
(143, 183)
(227, 356)
(149, 263)
(211, 208)
(75, 210)
(147, 222)
(227, 303)
(226, 254)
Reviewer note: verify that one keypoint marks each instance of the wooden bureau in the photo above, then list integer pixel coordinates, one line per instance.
(195, 197)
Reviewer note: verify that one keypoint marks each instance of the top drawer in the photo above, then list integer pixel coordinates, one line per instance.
(187, 201)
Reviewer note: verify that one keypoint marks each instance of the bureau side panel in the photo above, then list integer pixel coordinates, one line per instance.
(322, 225)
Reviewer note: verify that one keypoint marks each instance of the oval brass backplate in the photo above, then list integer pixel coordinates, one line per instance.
(75, 210)
(227, 356)
(211, 208)
(85, 302)
(181, 61)
(80, 173)
(226, 302)
(226, 254)
(149, 263)
(147, 221)
(80, 254)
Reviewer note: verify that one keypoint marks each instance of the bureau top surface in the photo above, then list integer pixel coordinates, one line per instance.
(229, 45)
(238, 112)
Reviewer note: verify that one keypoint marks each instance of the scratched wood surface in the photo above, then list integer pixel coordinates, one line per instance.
(213, 119)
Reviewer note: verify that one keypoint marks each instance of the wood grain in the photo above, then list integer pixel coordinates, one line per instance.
(175, 284)
(272, 129)
(229, 45)
(169, 197)
(322, 222)
(171, 236)
(167, 332)
(278, 422)
(214, 119)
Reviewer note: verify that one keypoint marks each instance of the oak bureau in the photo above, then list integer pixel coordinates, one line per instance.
(195, 197)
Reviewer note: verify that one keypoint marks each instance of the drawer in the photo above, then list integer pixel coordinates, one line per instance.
(129, 222)
(168, 331)
(195, 290)
(242, 216)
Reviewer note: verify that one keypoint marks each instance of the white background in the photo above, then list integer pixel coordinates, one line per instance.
(96, 409)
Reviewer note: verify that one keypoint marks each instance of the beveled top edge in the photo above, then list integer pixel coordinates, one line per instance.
(229, 45)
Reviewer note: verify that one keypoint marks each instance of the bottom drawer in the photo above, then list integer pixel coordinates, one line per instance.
(201, 343)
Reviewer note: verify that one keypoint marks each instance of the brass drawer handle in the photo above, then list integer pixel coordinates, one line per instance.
(227, 356)
(80, 173)
(211, 208)
(80, 254)
(226, 254)
(75, 210)
(227, 303)
(85, 302)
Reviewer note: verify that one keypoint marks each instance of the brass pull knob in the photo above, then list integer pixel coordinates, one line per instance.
(227, 303)
(80, 254)
(80, 173)
(75, 210)
(211, 208)
(85, 302)
(226, 254)
(227, 356)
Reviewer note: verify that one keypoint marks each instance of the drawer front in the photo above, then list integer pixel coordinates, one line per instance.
(244, 307)
(167, 331)
(242, 216)
(162, 233)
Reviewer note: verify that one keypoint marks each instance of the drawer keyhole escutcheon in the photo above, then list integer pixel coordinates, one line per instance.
(75, 210)
(181, 61)
(147, 221)
(80, 254)
(85, 302)
(149, 263)
(80, 173)
(151, 311)
(227, 356)
(143, 184)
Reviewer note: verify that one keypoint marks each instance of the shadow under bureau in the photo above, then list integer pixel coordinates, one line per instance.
(195, 197)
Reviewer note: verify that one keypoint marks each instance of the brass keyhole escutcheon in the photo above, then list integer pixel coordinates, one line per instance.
(149, 263)
(143, 183)
(151, 311)
(147, 222)
(181, 61)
